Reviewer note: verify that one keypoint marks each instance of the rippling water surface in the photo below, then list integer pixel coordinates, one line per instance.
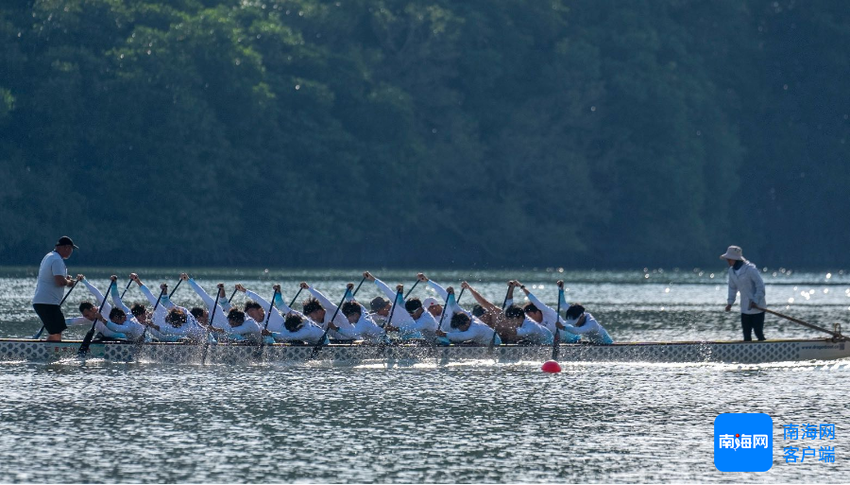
(476, 422)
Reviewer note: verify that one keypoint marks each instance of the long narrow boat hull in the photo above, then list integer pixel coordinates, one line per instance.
(408, 354)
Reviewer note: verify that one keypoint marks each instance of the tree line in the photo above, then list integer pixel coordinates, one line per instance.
(433, 133)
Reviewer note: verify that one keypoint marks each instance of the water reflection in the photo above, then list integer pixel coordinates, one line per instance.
(143, 423)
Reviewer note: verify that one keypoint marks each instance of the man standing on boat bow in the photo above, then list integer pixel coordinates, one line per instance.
(52, 279)
(745, 277)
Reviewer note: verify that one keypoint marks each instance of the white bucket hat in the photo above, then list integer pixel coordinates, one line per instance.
(427, 302)
(734, 252)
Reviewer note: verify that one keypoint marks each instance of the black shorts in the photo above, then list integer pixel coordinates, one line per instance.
(51, 316)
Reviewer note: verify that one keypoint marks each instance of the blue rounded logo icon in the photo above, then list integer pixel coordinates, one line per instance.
(743, 442)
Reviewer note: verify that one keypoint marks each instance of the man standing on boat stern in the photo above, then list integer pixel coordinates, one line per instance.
(745, 277)
(52, 279)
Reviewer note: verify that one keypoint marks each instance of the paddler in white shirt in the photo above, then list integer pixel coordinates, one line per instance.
(178, 324)
(465, 327)
(88, 312)
(118, 320)
(242, 328)
(434, 306)
(320, 310)
(256, 309)
(362, 325)
(297, 328)
(423, 323)
(546, 315)
(431, 304)
(401, 319)
(101, 326)
(285, 323)
(528, 330)
(582, 323)
(169, 322)
(221, 305)
(157, 319)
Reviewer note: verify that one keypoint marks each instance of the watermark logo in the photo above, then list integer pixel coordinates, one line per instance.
(743, 442)
(807, 434)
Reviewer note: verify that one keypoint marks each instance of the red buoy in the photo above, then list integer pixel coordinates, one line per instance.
(551, 366)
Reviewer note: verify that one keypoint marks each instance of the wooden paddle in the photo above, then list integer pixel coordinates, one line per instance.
(38, 334)
(84, 347)
(805, 324)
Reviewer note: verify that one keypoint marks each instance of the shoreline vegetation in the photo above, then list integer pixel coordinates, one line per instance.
(471, 134)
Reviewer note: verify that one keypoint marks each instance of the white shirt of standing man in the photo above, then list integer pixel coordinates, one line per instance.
(746, 280)
(52, 273)
(53, 277)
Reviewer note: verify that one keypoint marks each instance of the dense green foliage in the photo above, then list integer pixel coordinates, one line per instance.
(425, 132)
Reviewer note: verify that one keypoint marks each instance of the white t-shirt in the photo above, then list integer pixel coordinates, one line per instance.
(46, 290)
(535, 332)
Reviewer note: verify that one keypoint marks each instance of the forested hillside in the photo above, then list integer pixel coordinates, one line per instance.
(434, 133)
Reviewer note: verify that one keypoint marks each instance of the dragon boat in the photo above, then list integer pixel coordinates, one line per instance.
(359, 353)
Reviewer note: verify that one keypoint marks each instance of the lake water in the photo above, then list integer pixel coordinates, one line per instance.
(475, 422)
